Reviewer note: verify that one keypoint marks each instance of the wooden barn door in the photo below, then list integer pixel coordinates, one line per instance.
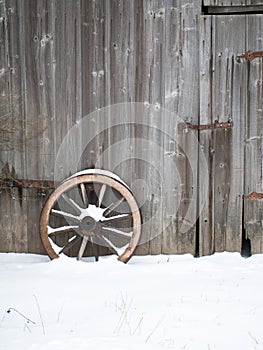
(231, 89)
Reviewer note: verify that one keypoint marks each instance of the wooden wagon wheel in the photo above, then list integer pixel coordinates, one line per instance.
(92, 207)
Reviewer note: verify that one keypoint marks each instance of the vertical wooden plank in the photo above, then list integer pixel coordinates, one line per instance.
(253, 210)
(4, 70)
(182, 97)
(13, 98)
(35, 85)
(5, 201)
(150, 34)
(13, 203)
(13, 225)
(188, 110)
(238, 110)
(67, 73)
(11, 89)
(5, 105)
(93, 74)
(120, 80)
(35, 199)
(120, 51)
(172, 184)
(38, 76)
(155, 20)
(228, 101)
(206, 224)
(92, 51)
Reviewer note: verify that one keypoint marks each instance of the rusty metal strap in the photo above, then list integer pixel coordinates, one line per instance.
(216, 125)
(251, 55)
(17, 183)
(254, 196)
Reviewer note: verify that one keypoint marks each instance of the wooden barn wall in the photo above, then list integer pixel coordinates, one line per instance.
(63, 59)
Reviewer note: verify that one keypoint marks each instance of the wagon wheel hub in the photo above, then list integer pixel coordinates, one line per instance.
(89, 226)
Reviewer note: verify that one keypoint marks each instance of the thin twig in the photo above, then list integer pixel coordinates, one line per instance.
(26, 327)
(123, 317)
(40, 315)
(255, 340)
(20, 314)
(138, 325)
(155, 328)
(59, 313)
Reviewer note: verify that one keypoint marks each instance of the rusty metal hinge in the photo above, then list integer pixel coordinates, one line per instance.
(251, 55)
(254, 196)
(39, 184)
(215, 125)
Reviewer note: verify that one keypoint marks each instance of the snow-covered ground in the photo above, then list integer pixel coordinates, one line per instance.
(153, 302)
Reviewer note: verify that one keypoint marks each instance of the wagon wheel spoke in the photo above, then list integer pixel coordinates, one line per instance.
(58, 230)
(112, 207)
(94, 249)
(116, 232)
(107, 243)
(117, 218)
(101, 194)
(84, 195)
(72, 203)
(82, 247)
(70, 244)
(69, 217)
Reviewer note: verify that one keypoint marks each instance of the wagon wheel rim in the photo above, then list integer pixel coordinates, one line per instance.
(88, 222)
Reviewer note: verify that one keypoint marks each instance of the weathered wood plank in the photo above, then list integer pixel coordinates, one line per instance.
(36, 79)
(228, 100)
(13, 223)
(13, 205)
(253, 210)
(172, 188)
(182, 98)
(93, 52)
(35, 200)
(233, 105)
(206, 219)
(150, 91)
(12, 94)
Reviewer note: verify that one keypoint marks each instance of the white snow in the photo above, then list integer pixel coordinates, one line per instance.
(153, 302)
(95, 212)
(99, 172)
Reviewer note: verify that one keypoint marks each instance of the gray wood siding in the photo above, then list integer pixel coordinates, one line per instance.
(62, 59)
(253, 210)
